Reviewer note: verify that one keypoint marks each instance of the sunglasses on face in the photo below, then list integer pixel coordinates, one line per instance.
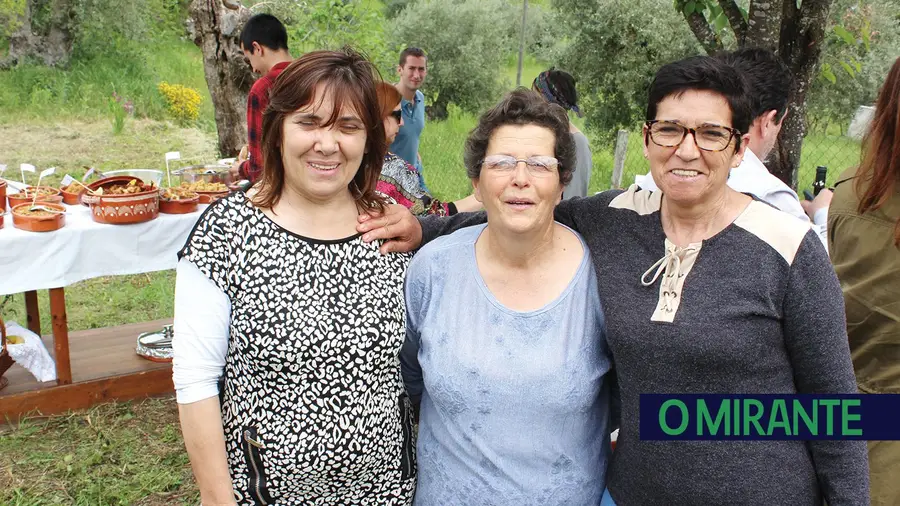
(398, 115)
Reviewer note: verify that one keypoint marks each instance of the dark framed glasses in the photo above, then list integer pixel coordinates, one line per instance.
(398, 115)
(669, 134)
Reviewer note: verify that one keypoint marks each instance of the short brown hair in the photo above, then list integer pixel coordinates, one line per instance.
(411, 51)
(351, 79)
(388, 98)
(522, 107)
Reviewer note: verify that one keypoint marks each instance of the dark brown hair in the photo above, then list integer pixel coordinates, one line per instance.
(522, 107)
(879, 170)
(411, 51)
(388, 98)
(350, 78)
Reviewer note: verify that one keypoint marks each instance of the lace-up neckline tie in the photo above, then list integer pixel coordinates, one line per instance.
(672, 267)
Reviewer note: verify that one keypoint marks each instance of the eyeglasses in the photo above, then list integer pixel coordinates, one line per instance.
(398, 115)
(669, 134)
(536, 165)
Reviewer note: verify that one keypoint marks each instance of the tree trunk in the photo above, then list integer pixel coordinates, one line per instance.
(762, 25)
(215, 28)
(704, 34)
(52, 47)
(801, 38)
(735, 20)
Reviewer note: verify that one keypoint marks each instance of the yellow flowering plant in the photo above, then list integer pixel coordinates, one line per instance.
(184, 102)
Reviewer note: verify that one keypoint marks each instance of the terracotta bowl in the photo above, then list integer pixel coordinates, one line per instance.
(1, 220)
(38, 223)
(72, 198)
(181, 206)
(2, 197)
(122, 209)
(26, 196)
(210, 197)
(109, 181)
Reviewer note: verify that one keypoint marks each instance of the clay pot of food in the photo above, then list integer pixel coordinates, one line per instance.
(118, 204)
(2, 197)
(178, 201)
(72, 194)
(45, 194)
(209, 192)
(38, 219)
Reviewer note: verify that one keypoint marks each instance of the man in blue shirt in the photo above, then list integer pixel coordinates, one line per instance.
(412, 70)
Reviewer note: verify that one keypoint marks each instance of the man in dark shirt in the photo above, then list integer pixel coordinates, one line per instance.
(264, 42)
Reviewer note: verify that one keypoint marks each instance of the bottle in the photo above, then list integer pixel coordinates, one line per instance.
(819, 183)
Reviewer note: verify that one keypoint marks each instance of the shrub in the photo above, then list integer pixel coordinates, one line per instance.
(184, 102)
(467, 42)
(613, 49)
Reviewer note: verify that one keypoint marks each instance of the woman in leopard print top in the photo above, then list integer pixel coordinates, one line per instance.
(277, 290)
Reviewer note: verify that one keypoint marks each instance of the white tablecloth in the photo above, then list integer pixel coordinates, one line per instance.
(85, 249)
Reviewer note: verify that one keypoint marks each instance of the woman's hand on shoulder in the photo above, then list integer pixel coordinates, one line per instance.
(397, 227)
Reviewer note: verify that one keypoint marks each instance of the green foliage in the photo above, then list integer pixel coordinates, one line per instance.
(10, 16)
(861, 45)
(83, 90)
(119, 109)
(392, 8)
(467, 41)
(116, 27)
(332, 24)
(614, 52)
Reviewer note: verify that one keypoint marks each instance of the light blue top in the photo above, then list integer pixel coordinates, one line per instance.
(406, 144)
(514, 405)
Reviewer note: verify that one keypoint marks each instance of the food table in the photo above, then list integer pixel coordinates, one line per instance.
(81, 250)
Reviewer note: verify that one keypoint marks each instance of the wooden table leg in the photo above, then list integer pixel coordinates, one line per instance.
(32, 312)
(60, 336)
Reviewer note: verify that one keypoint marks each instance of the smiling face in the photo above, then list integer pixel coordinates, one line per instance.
(319, 160)
(413, 72)
(519, 200)
(685, 173)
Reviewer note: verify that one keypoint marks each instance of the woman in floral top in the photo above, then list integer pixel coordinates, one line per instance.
(399, 180)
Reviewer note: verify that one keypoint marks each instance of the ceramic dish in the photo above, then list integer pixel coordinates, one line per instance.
(38, 221)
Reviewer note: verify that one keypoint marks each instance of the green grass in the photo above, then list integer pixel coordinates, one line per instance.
(83, 91)
(112, 454)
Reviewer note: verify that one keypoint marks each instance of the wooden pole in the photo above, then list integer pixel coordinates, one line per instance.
(619, 161)
(32, 312)
(60, 336)
(522, 44)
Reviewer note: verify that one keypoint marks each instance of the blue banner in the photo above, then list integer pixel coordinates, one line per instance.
(666, 417)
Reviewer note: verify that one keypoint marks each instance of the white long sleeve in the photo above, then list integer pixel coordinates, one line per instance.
(201, 329)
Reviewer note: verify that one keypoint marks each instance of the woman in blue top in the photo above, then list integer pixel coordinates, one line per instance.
(505, 344)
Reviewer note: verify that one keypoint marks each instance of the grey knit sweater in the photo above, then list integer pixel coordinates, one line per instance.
(755, 309)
